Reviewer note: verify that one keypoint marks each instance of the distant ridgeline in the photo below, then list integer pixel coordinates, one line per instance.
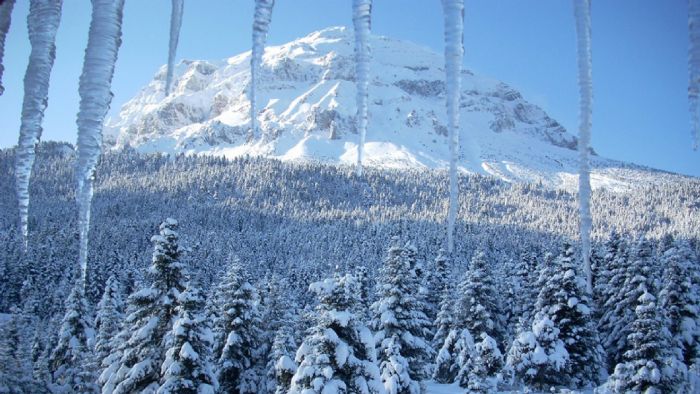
(296, 219)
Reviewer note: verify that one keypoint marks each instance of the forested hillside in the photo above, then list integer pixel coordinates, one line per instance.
(284, 226)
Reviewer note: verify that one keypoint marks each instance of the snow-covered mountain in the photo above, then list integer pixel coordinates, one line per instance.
(307, 112)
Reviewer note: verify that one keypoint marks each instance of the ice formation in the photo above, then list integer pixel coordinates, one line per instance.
(95, 96)
(5, 17)
(42, 24)
(693, 69)
(582, 10)
(261, 24)
(362, 21)
(454, 52)
(175, 24)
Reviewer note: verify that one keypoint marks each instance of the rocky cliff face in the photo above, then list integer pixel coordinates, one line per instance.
(307, 112)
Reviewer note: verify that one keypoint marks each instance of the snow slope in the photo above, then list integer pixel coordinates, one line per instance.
(307, 108)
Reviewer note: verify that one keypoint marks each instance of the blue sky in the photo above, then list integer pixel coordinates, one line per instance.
(640, 77)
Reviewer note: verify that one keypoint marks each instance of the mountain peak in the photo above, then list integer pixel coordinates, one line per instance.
(307, 112)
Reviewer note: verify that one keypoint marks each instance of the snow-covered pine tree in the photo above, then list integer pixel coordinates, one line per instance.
(395, 368)
(281, 366)
(400, 311)
(446, 367)
(486, 361)
(108, 319)
(538, 357)
(641, 370)
(478, 306)
(444, 322)
(152, 313)
(364, 291)
(527, 273)
(435, 281)
(338, 355)
(563, 299)
(237, 333)
(15, 370)
(680, 301)
(607, 266)
(69, 361)
(620, 308)
(187, 367)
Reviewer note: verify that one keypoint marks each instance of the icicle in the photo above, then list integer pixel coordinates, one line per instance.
(694, 69)
(582, 11)
(5, 17)
(95, 96)
(175, 24)
(42, 23)
(362, 20)
(454, 52)
(261, 24)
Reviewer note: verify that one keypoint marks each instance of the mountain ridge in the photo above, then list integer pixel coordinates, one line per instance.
(307, 110)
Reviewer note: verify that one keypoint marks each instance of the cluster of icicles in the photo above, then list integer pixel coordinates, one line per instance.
(101, 54)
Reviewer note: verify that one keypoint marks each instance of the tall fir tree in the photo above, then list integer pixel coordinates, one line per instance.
(237, 333)
(70, 359)
(338, 355)
(152, 313)
(619, 311)
(538, 357)
(187, 366)
(563, 299)
(108, 319)
(478, 307)
(281, 365)
(15, 358)
(479, 374)
(435, 280)
(680, 302)
(399, 312)
(641, 370)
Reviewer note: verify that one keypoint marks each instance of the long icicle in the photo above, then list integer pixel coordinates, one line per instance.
(261, 25)
(175, 24)
(454, 52)
(694, 69)
(6, 7)
(95, 97)
(582, 11)
(42, 24)
(362, 21)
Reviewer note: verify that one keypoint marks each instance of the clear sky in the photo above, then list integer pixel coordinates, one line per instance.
(640, 74)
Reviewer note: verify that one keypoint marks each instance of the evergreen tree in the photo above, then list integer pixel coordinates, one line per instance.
(281, 366)
(538, 357)
(237, 333)
(338, 354)
(446, 367)
(395, 368)
(108, 319)
(436, 279)
(527, 274)
(152, 313)
(399, 312)
(619, 315)
(478, 306)
(364, 291)
(187, 368)
(486, 362)
(563, 299)
(444, 322)
(641, 369)
(680, 302)
(15, 370)
(69, 362)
